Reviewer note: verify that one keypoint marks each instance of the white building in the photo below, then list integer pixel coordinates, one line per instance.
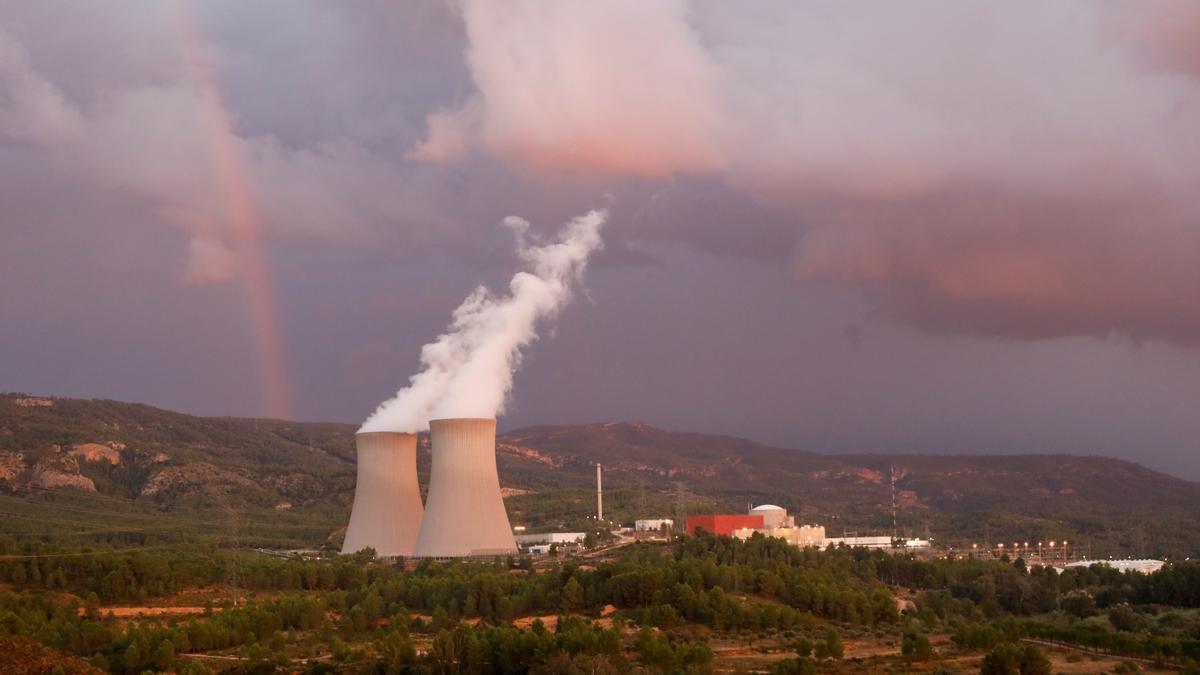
(1145, 566)
(777, 523)
(797, 535)
(860, 542)
(550, 538)
(653, 524)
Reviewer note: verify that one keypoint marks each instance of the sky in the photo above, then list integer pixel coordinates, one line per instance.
(941, 226)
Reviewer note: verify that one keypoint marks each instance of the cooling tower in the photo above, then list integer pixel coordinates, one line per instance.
(387, 503)
(465, 513)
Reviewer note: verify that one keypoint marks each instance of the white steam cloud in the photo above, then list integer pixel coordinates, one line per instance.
(468, 370)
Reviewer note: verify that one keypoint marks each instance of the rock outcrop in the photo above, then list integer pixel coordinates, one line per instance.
(95, 452)
(195, 475)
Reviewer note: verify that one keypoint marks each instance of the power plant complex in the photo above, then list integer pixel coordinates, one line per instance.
(464, 513)
(464, 516)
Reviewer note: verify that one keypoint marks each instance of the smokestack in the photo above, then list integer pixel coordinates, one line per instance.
(465, 513)
(599, 495)
(387, 503)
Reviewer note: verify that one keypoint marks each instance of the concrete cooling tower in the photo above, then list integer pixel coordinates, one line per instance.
(465, 513)
(387, 502)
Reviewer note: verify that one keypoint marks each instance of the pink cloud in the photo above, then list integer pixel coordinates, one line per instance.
(209, 261)
(975, 265)
(32, 108)
(1168, 34)
(621, 87)
(996, 168)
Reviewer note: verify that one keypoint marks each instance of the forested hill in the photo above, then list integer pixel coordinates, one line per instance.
(1118, 507)
(174, 460)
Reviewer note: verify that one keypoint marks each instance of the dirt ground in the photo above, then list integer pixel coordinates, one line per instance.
(551, 620)
(128, 612)
(872, 657)
(882, 655)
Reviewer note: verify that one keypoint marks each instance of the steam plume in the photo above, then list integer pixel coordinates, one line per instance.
(468, 371)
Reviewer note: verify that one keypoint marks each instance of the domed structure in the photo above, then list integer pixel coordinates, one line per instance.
(773, 516)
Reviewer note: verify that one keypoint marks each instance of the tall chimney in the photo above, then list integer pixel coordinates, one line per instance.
(387, 502)
(464, 514)
(599, 496)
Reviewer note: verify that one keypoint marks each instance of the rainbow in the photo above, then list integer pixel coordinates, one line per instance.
(242, 222)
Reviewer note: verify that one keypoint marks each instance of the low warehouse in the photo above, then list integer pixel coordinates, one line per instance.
(723, 524)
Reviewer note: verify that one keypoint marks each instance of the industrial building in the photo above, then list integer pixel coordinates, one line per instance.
(550, 538)
(770, 520)
(773, 516)
(777, 523)
(464, 513)
(653, 524)
(387, 510)
(859, 542)
(723, 524)
(540, 543)
(1145, 566)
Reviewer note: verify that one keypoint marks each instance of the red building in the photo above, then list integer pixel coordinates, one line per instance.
(722, 524)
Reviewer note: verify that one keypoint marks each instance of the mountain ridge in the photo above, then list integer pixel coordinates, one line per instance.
(175, 460)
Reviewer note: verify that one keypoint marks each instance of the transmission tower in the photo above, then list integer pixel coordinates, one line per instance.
(680, 506)
(893, 472)
(234, 572)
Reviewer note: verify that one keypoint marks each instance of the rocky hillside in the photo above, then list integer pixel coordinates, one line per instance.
(139, 452)
(174, 460)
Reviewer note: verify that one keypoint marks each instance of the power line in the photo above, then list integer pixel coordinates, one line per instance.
(42, 519)
(157, 516)
(78, 554)
(129, 502)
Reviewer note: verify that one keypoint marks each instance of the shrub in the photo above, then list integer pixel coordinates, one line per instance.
(1079, 604)
(916, 647)
(1122, 617)
(1007, 659)
(831, 647)
(799, 666)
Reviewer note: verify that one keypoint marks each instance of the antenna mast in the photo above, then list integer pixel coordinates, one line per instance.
(680, 507)
(599, 496)
(892, 469)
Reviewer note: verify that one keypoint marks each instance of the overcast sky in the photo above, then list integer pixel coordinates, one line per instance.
(839, 226)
